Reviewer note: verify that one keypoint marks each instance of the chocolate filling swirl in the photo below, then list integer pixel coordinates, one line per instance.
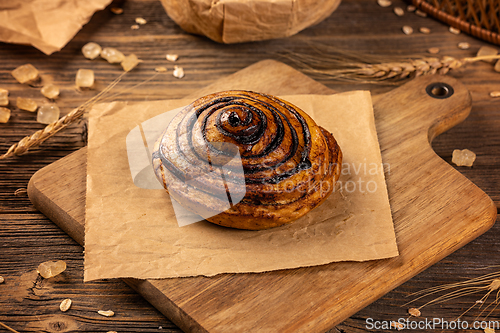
(241, 120)
(257, 146)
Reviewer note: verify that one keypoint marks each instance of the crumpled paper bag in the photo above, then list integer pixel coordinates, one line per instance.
(47, 25)
(235, 21)
(134, 232)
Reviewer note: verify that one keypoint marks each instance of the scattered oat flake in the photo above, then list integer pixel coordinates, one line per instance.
(433, 50)
(425, 30)
(399, 11)
(479, 302)
(399, 326)
(420, 13)
(172, 57)
(411, 8)
(466, 157)
(21, 192)
(463, 45)
(454, 31)
(106, 313)
(2, 280)
(407, 30)
(161, 69)
(414, 312)
(50, 269)
(384, 3)
(178, 72)
(111, 332)
(489, 330)
(495, 94)
(134, 27)
(140, 20)
(117, 10)
(65, 304)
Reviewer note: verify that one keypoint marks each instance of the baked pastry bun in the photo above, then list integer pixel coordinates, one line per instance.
(246, 160)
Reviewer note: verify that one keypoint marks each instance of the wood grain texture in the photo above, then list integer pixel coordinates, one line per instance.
(430, 202)
(357, 26)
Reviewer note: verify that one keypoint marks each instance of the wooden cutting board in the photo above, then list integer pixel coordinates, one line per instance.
(436, 210)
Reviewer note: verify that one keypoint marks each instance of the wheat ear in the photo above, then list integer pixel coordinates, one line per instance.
(339, 67)
(418, 67)
(50, 130)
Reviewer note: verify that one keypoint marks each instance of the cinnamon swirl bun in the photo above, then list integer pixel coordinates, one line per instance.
(246, 160)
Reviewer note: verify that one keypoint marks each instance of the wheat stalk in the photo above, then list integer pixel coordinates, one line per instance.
(8, 328)
(489, 283)
(345, 66)
(416, 67)
(37, 138)
(40, 136)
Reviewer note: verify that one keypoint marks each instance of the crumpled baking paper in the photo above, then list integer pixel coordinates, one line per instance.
(134, 232)
(236, 21)
(47, 25)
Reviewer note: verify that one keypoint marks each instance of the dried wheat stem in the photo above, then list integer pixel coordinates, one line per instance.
(8, 328)
(479, 58)
(40, 136)
(392, 71)
(489, 283)
(416, 67)
(50, 130)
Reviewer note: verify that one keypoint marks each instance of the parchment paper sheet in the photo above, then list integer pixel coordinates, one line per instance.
(133, 232)
(48, 25)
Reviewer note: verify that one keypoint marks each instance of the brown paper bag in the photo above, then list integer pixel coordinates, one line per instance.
(235, 21)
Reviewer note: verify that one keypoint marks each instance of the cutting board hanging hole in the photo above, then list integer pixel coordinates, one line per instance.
(439, 90)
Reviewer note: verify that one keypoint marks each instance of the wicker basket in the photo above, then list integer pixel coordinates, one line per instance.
(479, 18)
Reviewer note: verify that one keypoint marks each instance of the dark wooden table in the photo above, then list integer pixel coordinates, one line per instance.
(28, 238)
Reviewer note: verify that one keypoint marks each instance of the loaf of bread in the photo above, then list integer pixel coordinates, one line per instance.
(246, 160)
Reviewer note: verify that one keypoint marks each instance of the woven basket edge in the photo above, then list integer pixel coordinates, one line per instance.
(457, 23)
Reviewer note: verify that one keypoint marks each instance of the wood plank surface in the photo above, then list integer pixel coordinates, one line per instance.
(357, 26)
(427, 203)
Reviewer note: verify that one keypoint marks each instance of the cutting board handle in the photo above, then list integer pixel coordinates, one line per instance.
(424, 107)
